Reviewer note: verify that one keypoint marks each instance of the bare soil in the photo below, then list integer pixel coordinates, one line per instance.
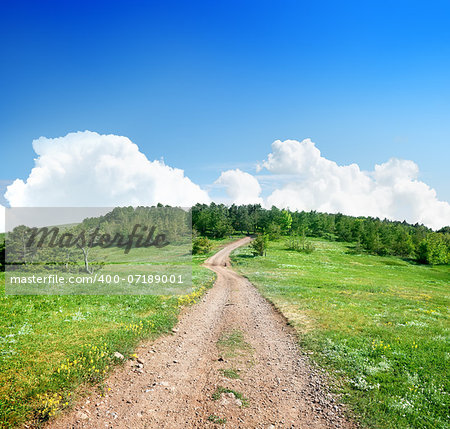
(180, 382)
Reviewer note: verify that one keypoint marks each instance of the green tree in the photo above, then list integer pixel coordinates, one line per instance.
(285, 221)
(402, 244)
(2, 252)
(300, 243)
(201, 246)
(343, 228)
(259, 245)
(433, 250)
(273, 231)
(20, 251)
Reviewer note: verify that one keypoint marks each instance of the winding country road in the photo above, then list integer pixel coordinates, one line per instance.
(232, 328)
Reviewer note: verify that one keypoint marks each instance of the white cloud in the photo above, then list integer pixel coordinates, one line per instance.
(312, 182)
(241, 187)
(89, 169)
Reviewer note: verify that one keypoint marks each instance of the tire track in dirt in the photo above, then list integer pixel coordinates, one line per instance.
(177, 387)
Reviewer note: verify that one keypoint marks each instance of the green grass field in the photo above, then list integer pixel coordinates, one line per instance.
(380, 325)
(52, 348)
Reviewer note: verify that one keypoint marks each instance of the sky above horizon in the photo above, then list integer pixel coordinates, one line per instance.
(209, 86)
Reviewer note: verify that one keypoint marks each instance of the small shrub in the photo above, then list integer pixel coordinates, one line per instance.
(201, 246)
(300, 244)
(259, 245)
(273, 231)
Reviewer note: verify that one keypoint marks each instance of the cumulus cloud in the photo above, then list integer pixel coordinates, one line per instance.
(312, 182)
(241, 187)
(90, 169)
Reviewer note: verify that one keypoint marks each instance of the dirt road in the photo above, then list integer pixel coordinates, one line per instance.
(231, 362)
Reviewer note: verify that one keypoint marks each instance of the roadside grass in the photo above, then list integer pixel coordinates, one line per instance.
(232, 344)
(230, 373)
(217, 420)
(142, 255)
(217, 244)
(172, 262)
(53, 348)
(380, 325)
(220, 390)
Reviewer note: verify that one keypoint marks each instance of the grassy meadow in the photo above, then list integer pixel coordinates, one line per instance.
(52, 348)
(380, 325)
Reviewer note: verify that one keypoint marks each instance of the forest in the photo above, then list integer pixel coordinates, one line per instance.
(70, 245)
(373, 235)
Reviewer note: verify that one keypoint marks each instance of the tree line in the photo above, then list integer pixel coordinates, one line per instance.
(2, 252)
(69, 246)
(381, 237)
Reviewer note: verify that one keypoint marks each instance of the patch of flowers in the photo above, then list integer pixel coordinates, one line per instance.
(49, 404)
(403, 404)
(26, 329)
(192, 297)
(91, 364)
(141, 327)
(380, 346)
(382, 366)
(361, 383)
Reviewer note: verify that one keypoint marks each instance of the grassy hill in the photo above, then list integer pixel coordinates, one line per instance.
(379, 324)
(52, 347)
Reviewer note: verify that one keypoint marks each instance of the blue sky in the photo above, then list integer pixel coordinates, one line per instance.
(209, 86)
